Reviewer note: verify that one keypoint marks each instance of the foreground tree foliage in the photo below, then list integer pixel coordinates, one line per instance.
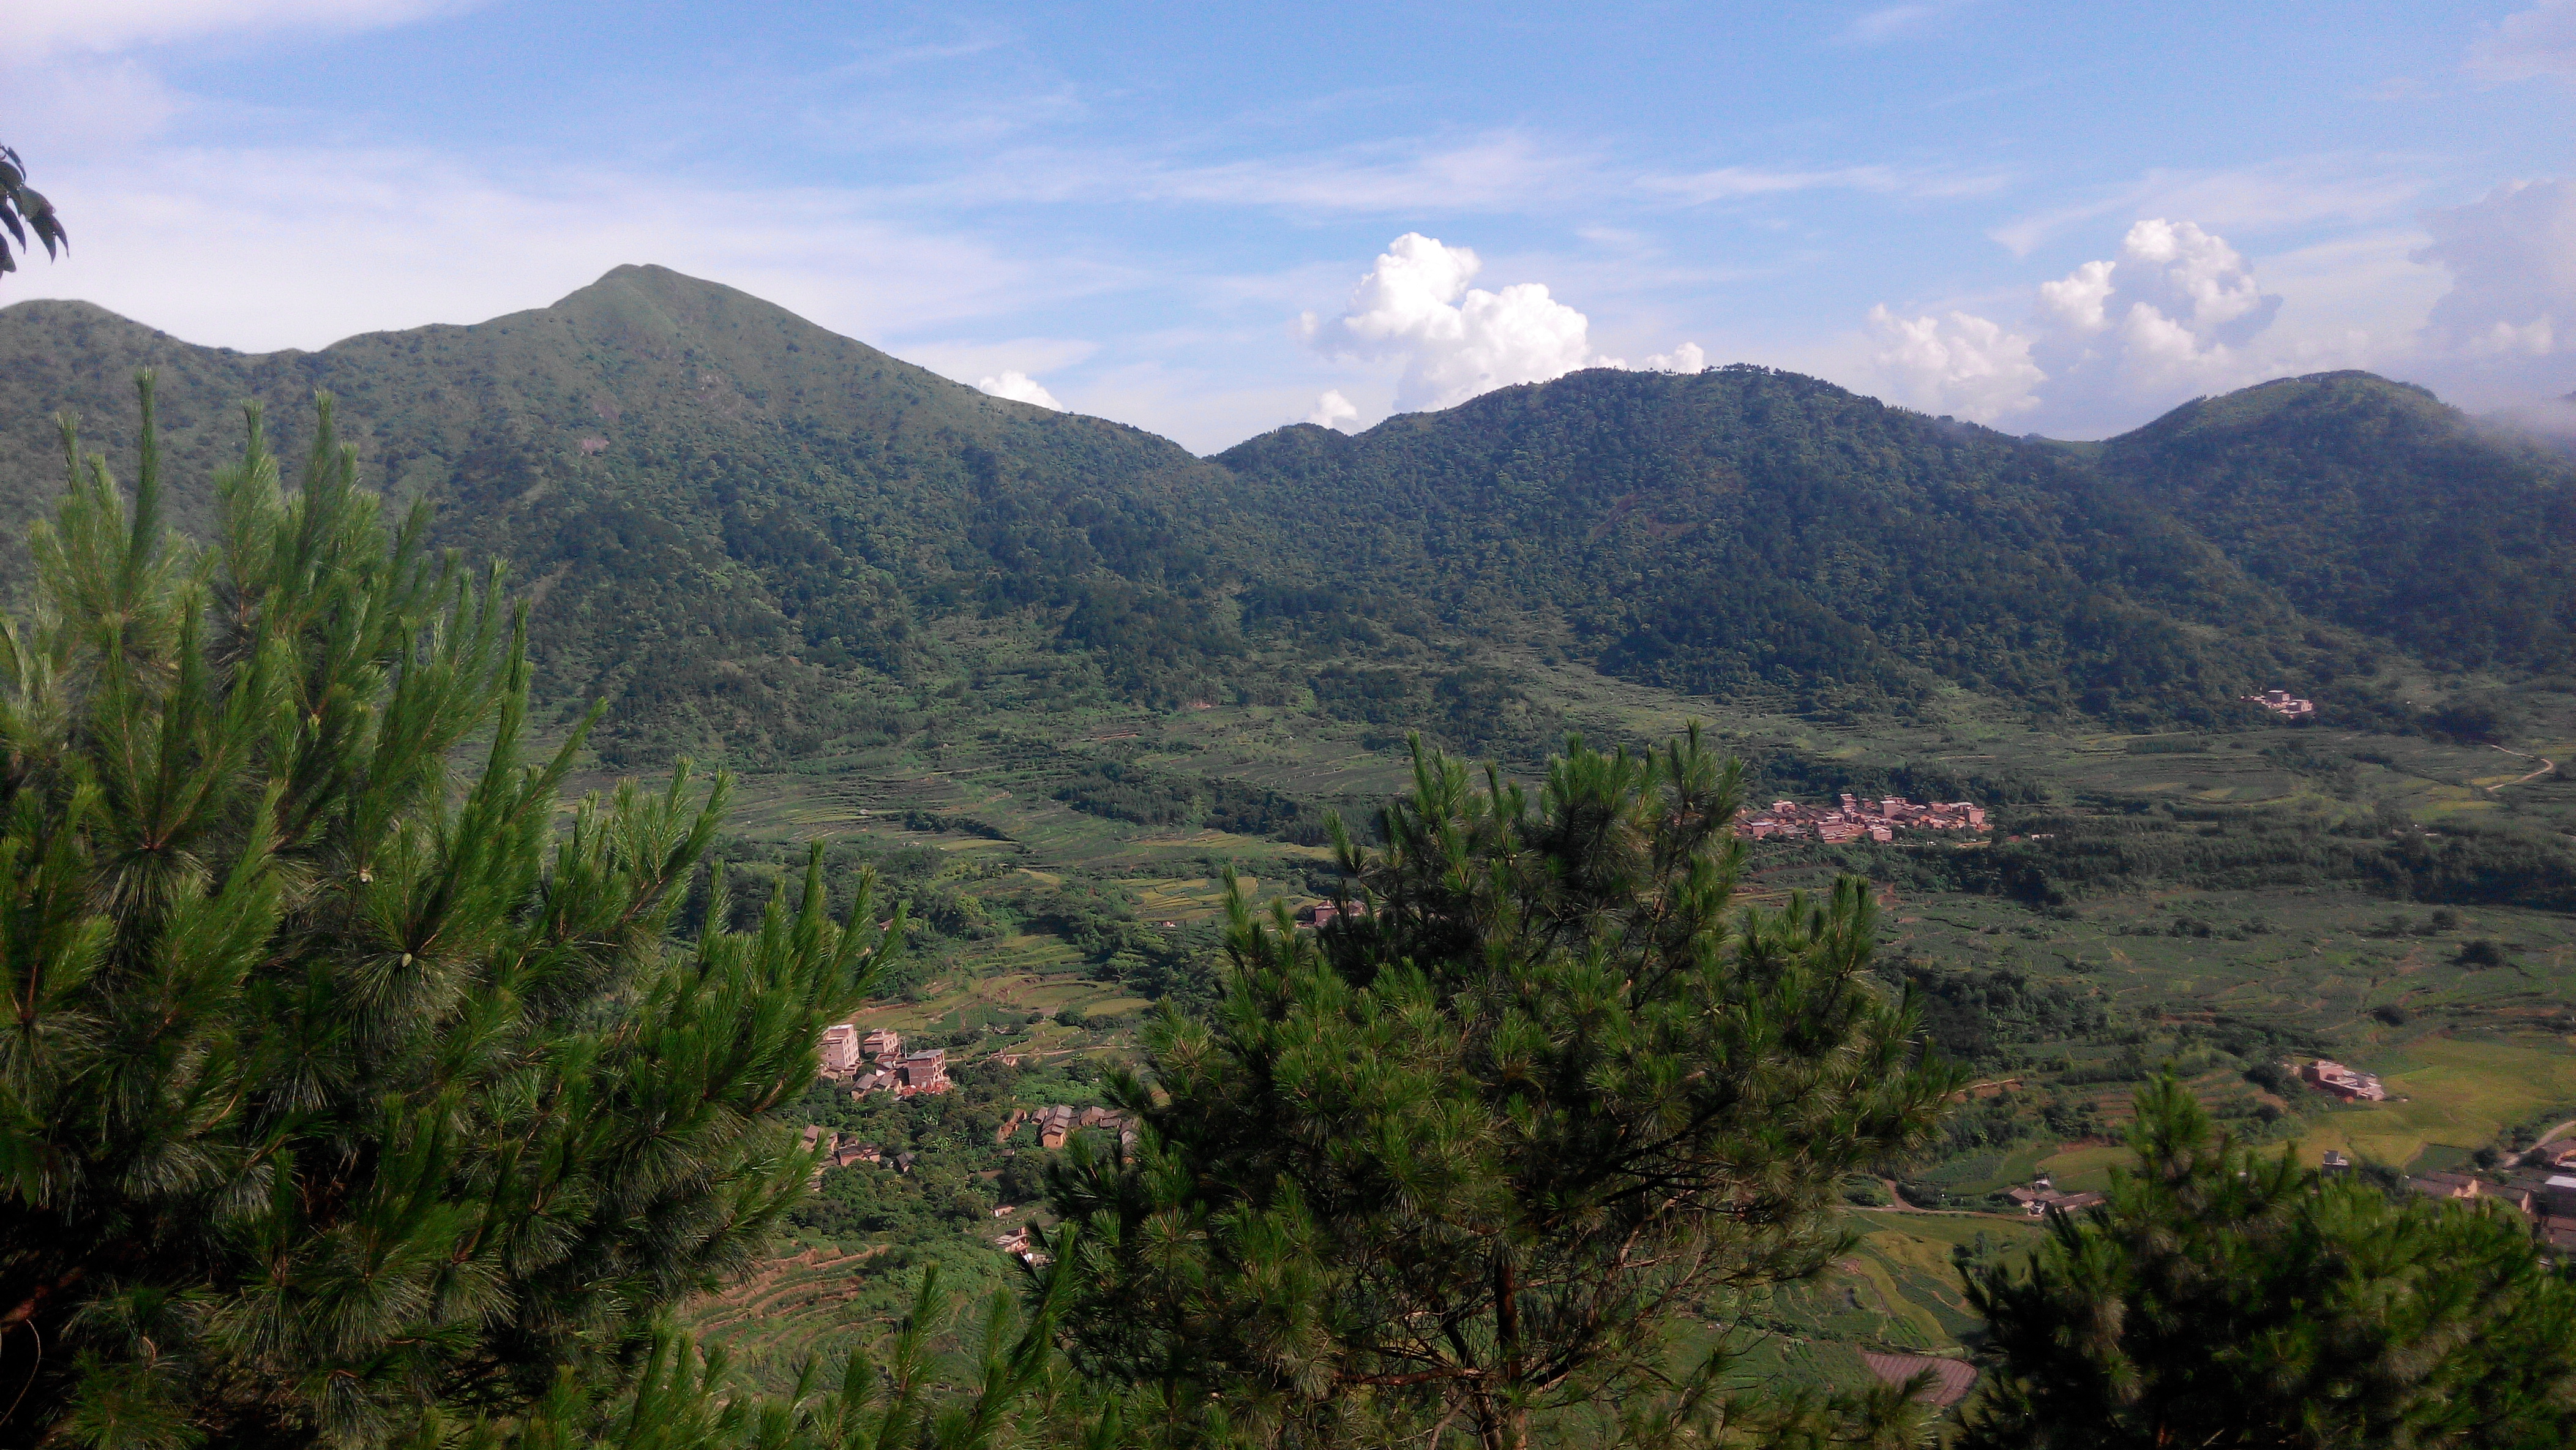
(23, 209)
(1462, 1167)
(684, 1400)
(2224, 1298)
(342, 1093)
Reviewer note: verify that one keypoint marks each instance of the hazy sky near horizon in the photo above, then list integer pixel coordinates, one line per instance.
(1213, 220)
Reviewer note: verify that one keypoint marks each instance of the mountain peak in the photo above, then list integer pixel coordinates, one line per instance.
(2342, 391)
(649, 305)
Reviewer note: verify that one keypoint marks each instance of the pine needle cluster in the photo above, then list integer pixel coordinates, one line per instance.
(346, 1078)
(1464, 1163)
(2227, 1297)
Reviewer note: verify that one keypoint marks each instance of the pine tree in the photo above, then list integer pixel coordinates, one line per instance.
(1462, 1163)
(24, 209)
(2227, 1298)
(345, 1082)
(683, 1399)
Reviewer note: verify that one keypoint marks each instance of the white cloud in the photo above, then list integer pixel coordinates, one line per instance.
(2195, 279)
(2512, 260)
(2274, 196)
(1690, 357)
(966, 361)
(1504, 171)
(2540, 41)
(1957, 363)
(319, 244)
(2076, 301)
(1733, 183)
(1888, 22)
(33, 29)
(1019, 387)
(2172, 311)
(1333, 410)
(1726, 183)
(1455, 341)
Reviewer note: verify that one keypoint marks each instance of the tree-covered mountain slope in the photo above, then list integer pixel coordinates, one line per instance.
(726, 513)
(755, 537)
(1745, 527)
(2376, 506)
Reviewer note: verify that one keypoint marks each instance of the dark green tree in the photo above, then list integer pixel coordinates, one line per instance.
(1462, 1166)
(682, 1399)
(2228, 1298)
(24, 209)
(345, 1077)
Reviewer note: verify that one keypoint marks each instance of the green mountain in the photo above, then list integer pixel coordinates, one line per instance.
(2373, 505)
(755, 537)
(1745, 528)
(727, 515)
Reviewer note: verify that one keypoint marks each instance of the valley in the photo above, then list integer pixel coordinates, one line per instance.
(2214, 976)
(1053, 679)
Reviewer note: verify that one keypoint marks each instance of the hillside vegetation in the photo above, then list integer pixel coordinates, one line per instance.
(1051, 678)
(758, 539)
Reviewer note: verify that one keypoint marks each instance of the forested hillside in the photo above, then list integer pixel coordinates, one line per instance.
(756, 538)
(1073, 694)
(2371, 504)
(1745, 527)
(726, 515)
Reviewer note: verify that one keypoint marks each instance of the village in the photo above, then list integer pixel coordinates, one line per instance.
(875, 1061)
(2283, 704)
(1858, 820)
(2537, 1184)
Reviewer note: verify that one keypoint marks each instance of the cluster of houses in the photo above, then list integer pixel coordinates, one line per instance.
(2542, 1191)
(874, 1061)
(2043, 1198)
(1324, 913)
(1858, 820)
(2350, 1084)
(1056, 1124)
(844, 1151)
(2283, 704)
(2543, 1195)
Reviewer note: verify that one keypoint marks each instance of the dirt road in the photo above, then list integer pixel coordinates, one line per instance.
(2546, 766)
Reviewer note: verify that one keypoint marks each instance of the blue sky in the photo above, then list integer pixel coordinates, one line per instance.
(1210, 221)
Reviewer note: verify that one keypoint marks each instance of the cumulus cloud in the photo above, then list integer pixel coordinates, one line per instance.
(31, 29)
(1957, 363)
(1019, 387)
(1333, 410)
(1690, 357)
(2540, 41)
(1454, 340)
(2512, 260)
(2172, 314)
(2173, 310)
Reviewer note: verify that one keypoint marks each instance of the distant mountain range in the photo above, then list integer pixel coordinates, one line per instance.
(756, 537)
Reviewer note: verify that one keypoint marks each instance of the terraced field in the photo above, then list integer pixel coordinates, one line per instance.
(2474, 1042)
(818, 1301)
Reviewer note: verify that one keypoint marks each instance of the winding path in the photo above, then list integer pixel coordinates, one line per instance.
(2546, 766)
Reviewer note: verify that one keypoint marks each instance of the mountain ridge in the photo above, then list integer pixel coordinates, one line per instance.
(742, 524)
